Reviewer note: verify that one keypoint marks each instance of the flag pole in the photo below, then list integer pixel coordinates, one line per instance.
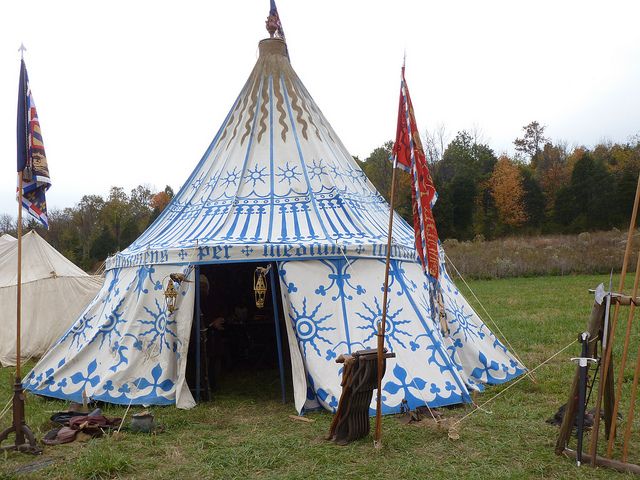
(19, 285)
(20, 191)
(24, 438)
(377, 441)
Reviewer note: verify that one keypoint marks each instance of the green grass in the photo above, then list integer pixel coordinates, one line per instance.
(245, 432)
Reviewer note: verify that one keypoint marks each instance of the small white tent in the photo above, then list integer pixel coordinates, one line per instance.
(54, 293)
(6, 239)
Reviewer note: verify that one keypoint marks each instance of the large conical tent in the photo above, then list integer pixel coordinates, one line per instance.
(276, 185)
(54, 293)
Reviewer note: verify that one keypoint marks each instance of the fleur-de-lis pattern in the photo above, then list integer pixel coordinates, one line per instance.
(125, 347)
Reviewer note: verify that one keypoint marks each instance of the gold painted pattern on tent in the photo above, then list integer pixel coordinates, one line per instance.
(283, 115)
(264, 112)
(294, 104)
(252, 111)
(240, 115)
(273, 69)
(306, 109)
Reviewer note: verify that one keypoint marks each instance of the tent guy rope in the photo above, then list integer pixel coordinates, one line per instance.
(514, 383)
(506, 340)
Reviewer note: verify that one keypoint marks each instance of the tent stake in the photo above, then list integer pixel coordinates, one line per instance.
(377, 442)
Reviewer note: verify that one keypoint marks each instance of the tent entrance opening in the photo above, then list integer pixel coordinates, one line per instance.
(237, 338)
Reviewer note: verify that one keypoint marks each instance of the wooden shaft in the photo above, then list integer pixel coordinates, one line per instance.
(607, 400)
(383, 321)
(593, 447)
(634, 391)
(605, 462)
(623, 362)
(19, 285)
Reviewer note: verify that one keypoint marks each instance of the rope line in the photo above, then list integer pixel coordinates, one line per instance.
(506, 340)
(479, 407)
(6, 408)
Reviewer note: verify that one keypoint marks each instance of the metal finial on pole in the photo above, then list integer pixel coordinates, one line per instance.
(22, 49)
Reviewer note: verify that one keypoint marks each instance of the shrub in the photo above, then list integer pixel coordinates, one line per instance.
(586, 253)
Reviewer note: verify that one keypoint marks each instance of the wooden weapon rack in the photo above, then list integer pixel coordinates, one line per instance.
(617, 391)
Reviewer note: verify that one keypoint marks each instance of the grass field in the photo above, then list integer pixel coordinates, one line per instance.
(246, 432)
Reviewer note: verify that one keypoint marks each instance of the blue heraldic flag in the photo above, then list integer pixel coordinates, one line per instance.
(32, 161)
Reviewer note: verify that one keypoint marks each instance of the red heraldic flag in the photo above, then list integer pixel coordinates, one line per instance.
(409, 155)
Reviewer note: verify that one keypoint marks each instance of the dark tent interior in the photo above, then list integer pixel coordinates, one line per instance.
(236, 336)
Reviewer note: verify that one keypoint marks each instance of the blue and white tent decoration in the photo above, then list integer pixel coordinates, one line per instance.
(277, 185)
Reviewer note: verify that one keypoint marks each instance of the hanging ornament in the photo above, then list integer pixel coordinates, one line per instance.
(170, 296)
(260, 285)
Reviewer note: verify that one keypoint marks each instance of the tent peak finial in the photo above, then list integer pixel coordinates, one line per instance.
(272, 25)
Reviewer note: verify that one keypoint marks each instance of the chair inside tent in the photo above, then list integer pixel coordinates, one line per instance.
(276, 187)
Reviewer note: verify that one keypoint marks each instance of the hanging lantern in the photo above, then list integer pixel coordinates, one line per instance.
(170, 297)
(260, 285)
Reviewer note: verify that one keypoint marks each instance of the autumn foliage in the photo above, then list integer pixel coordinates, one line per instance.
(507, 192)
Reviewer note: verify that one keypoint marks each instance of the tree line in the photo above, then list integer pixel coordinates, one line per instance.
(545, 187)
(97, 227)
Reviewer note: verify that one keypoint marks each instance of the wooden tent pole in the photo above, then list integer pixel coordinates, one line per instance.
(19, 426)
(381, 329)
(634, 391)
(593, 447)
(623, 362)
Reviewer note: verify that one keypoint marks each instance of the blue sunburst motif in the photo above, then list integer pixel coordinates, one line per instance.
(210, 185)
(232, 177)
(462, 320)
(308, 326)
(317, 169)
(336, 171)
(392, 326)
(159, 327)
(110, 327)
(256, 175)
(288, 173)
(355, 174)
(196, 184)
(79, 330)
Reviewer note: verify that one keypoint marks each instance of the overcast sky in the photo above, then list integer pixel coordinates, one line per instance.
(132, 92)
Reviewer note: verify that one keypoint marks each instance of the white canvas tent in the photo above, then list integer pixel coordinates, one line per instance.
(6, 239)
(54, 293)
(276, 185)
